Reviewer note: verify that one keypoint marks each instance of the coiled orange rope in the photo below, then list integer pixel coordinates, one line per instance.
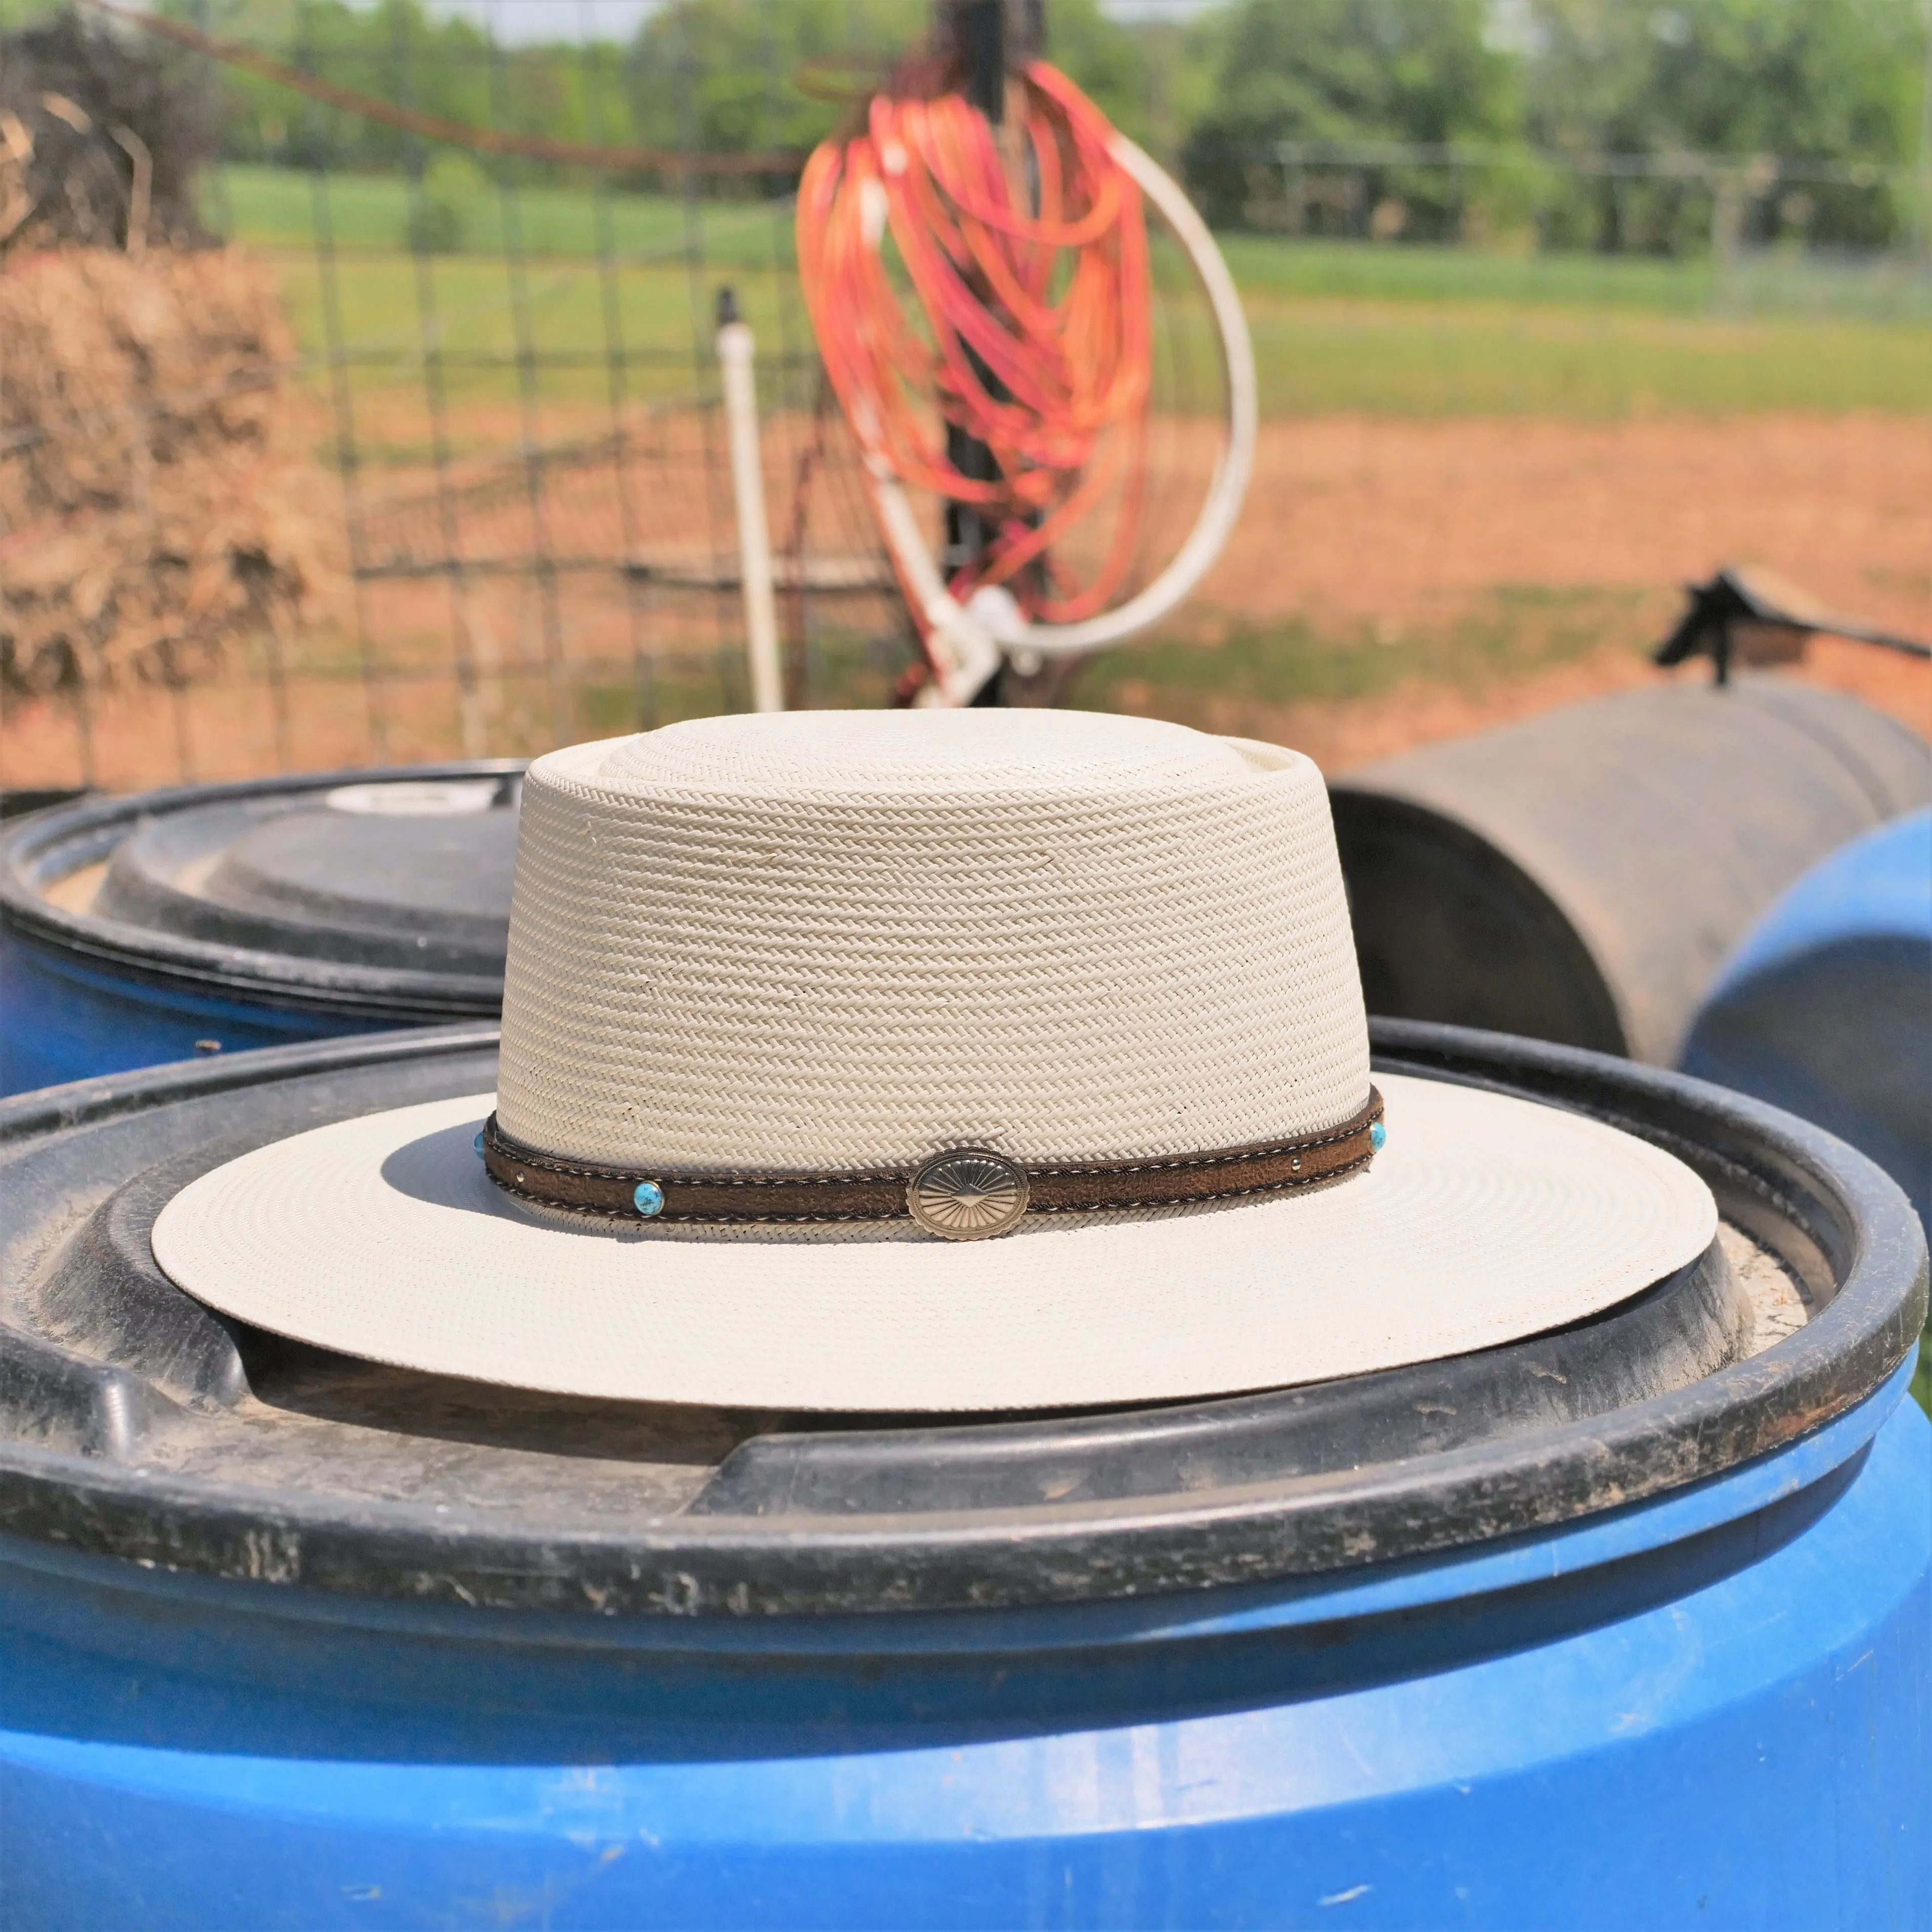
(1031, 284)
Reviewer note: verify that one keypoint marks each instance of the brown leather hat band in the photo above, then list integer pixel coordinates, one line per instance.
(960, 1193)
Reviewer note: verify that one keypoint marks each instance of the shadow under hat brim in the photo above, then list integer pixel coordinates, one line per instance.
(1485, 1219)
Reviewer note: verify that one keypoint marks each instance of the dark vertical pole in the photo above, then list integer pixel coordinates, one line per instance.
(436, 400)
(979, 39)
(617, 373)
(348, 456)
(729, 653)
(983, 45)
(791, 554)
(637, 82)
(562, 694)
(271, 643)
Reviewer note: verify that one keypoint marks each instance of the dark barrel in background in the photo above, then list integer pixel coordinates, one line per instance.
(1627, 1625)
(1580, 876)
(213, 918)
(17, 801)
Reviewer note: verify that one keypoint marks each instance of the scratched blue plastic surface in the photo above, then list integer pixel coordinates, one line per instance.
(63, 1018)
(1711, 1711)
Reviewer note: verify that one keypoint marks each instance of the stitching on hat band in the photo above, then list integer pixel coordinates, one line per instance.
(1023, 1190)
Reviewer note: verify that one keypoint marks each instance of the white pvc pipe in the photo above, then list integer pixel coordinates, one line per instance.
(735, 353)
(972, 636)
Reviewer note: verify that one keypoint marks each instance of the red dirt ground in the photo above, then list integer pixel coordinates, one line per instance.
(1407, 526)
(1352, 525)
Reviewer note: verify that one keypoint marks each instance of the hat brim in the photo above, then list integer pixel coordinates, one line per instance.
(1484, 1219)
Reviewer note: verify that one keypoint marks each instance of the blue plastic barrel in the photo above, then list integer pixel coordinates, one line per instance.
(1628, 1626)
(217, 918)
(1825, 1008)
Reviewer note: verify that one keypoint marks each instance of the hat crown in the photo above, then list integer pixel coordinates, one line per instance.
(917, 755)
(839, 942)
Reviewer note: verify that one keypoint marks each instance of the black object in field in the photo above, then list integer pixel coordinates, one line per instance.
(1751, 617)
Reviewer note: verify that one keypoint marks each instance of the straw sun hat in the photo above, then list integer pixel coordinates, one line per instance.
(932, 1060)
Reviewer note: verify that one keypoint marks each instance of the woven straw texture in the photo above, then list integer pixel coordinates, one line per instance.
(826, 942)
(1484, 1219)
(840, 941)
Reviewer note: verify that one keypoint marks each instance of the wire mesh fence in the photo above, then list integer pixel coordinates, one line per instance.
(508, 370)
(498, 376)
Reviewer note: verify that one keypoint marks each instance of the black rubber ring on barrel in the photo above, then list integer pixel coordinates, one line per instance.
(764, 1536)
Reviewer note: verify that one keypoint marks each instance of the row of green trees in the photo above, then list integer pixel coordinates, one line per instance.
(713, 76)
(1835, 87)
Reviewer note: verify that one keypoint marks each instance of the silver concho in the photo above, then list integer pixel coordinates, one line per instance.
(966, 1194)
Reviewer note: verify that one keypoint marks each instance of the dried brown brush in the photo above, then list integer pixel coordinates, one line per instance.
(155, 508)
(102, 136)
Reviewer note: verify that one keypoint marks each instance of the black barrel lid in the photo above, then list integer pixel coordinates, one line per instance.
(135, 1422)
(388, 888)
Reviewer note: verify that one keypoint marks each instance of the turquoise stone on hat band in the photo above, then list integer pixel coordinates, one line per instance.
(959, 1193)
(1378, 1137)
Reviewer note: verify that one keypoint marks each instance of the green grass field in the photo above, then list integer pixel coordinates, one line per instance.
(1887, 288)
(1410, 332)
(283, 208)
(1513, 630)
